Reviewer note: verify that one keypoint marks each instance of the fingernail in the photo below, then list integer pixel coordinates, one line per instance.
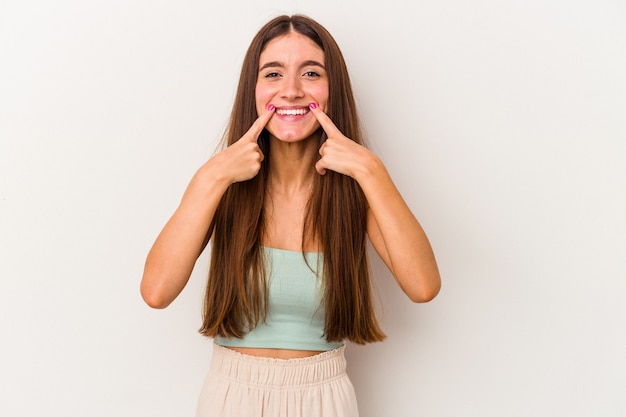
(271, 107)
(313, 106)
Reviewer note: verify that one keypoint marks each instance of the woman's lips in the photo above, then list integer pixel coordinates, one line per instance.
(300, 111)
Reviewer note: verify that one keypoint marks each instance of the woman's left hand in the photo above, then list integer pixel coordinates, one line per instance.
(339, 153)
(392, 228)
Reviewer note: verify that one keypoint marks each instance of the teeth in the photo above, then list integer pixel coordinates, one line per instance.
(292, 112)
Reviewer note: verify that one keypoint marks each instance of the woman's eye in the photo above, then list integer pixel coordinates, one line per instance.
(272, 75)
(311, 74)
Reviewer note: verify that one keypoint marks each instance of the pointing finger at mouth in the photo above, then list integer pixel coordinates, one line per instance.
(258, 125)
(327, 124)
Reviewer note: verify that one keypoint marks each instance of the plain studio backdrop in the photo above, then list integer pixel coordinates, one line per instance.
(503, 124)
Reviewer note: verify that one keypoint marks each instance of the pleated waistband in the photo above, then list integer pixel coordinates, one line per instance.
(272, 372)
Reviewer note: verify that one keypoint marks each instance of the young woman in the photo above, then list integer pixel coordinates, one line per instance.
(288, 206)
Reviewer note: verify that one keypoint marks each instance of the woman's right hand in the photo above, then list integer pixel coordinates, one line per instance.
(173, 255)
(241, 161)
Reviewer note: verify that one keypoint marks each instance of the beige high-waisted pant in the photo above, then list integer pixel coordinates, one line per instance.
(240, 385)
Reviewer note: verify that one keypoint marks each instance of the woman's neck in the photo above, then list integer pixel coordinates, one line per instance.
(292, 165)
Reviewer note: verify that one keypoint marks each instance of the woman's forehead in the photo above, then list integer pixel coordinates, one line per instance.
(290, 48)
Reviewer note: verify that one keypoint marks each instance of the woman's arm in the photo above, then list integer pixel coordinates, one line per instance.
(398, 237)
(173, 255)
(175, 251)
(394, 231)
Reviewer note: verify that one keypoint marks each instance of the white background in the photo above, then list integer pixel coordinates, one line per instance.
(502, 122)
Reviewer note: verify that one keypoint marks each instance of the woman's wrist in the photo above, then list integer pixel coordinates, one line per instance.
(369, 168)
(213, 175)
(209, 182)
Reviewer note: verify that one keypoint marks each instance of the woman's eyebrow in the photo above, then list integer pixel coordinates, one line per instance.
(312, 64)
(276, 64)
(272, 64)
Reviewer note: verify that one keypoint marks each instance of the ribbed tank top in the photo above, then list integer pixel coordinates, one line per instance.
(295, 316)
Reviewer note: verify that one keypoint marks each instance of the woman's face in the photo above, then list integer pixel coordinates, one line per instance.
(291, 75)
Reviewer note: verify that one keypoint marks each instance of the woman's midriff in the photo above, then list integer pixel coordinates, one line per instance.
(276, 353)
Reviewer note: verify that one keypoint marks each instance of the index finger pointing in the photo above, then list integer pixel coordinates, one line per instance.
(327, 124)
(258, 125)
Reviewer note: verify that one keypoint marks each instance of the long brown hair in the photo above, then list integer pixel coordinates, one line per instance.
(336, 216)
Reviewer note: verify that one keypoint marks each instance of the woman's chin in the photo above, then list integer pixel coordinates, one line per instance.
(292, 137)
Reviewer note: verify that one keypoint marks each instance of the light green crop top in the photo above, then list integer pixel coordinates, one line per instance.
(295, 315)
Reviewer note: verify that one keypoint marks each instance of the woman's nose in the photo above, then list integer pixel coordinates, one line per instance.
(292, 88)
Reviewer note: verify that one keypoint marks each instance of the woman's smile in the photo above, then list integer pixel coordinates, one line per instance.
(286, 112)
